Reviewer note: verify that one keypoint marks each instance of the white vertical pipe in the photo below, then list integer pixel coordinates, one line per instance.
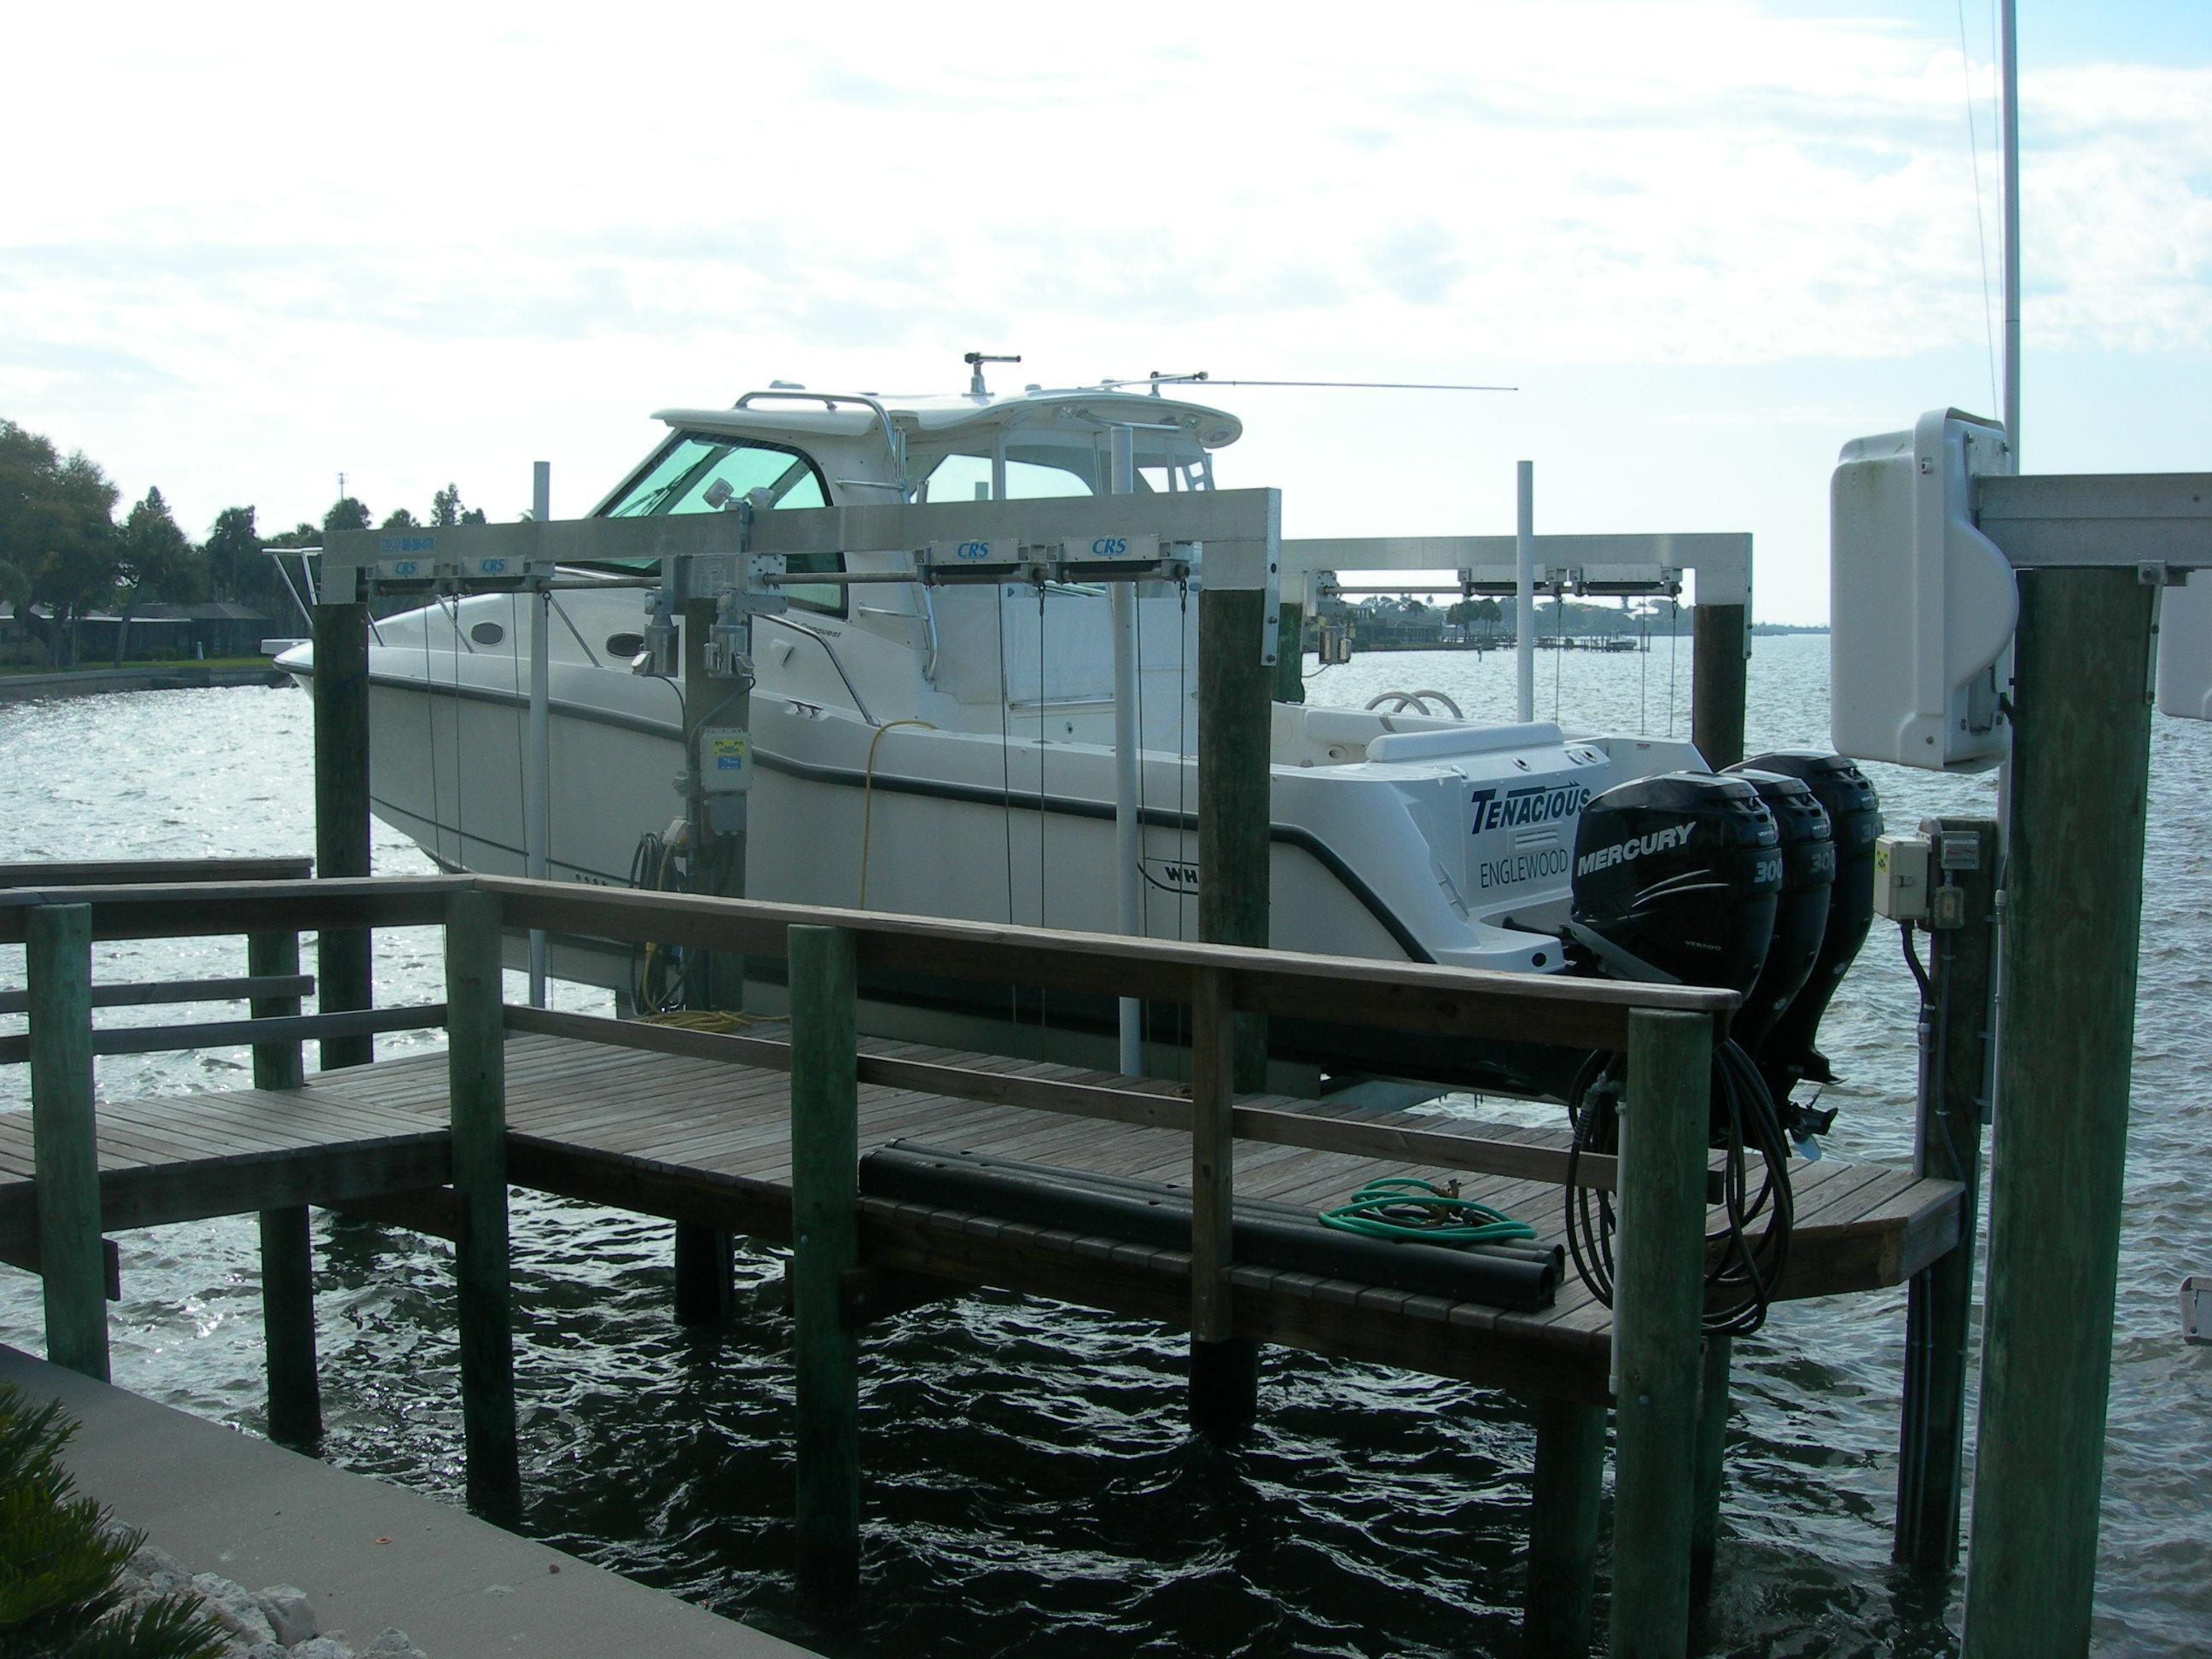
(1524, 593)
(1128, 739)
(537, 798)
(2009, 77)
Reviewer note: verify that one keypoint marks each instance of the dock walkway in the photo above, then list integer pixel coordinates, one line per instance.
(766, 1135)
(708, 1142)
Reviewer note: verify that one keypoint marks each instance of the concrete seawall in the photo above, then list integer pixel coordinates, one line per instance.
(162, 676)
(367, 1555)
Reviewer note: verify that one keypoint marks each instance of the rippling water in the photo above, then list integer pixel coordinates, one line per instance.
(1028, 1479)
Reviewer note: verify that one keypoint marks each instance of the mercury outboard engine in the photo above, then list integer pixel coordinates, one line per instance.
(1678, 879)
(1801, 909)
(1675, 879)
(1787, 1053)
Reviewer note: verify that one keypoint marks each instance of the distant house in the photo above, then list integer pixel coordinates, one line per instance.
(223, 629)
(158, 633)
(17, 647)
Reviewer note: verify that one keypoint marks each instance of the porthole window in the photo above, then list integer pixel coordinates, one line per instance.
(487, 633)
(624, 646)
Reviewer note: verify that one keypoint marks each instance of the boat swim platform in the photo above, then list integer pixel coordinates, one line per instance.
(707, 1141)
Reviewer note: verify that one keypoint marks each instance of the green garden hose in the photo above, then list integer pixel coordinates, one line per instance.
(1417, 1212)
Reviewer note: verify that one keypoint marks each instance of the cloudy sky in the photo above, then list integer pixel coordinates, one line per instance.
(245, 249)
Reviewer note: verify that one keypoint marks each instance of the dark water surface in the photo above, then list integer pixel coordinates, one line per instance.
(1028, 1484)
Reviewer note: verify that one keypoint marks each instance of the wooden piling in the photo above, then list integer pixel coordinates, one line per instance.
(1939, 1309)
(825, 1248)
(288, 1266)
(1658, 1297)
(705, 1288)
(1225, 1372)
(2081, 758)
(1720, 652)
(65, 1147)
(476, 1075)
(288, 1325)
(343, 976)
(1290, 652)
(1566, 1484)
(1712, 1455)
(1235, 743)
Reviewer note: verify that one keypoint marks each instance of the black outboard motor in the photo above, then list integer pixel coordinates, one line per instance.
(1855, 820)
(1675, 879)
(1800, 910)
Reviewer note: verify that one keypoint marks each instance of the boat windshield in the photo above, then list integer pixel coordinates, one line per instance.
(683, 478)
(680, 478)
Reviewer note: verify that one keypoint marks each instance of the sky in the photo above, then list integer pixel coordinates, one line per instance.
(244, 250)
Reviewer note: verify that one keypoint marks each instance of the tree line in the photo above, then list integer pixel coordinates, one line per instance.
(64, 556)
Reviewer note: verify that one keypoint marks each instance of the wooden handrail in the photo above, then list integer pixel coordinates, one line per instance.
(1434, 1141)
(141, 993)
(223, 1033)
(137, 873)
(1461, 1002)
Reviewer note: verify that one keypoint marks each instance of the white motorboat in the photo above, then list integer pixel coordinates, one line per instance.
(948, 752)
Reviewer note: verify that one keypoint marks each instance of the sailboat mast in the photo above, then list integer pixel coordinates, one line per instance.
(2009, 82)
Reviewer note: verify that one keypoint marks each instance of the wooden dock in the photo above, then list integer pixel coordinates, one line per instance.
(762, 1131)
(707, 1141)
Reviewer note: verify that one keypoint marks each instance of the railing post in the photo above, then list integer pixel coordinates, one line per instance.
(476, 1073)
(1565, 1488)
(343, 980)
(64, 1136)
(288, 1262)
(825, 1247)
(1939, 1306)
(1658, 1297)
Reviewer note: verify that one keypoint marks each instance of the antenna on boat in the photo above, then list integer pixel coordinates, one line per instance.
(1156, 380)
(975, 360)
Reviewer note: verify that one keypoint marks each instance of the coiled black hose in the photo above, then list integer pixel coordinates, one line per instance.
(1744, 1267)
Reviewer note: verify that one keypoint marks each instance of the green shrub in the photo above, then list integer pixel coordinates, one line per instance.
(61, 1564)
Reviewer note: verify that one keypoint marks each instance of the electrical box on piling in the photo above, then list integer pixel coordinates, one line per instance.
(2184, 650)
(1921, 604)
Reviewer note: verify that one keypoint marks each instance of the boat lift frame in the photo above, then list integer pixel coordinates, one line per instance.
(1223, 541)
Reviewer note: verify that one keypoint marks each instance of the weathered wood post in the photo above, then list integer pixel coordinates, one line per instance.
(706, 1287)
(288, 1263)
(825, 1247)
(1219, 1397)
(1235, 743)
(343, 975)
(1565, 1485)
(1720, 658)
(2081, 762)
(476, 1075)
(1939, 1310)
(64, 1136)
(1712, 1454)
(1290, 651)
(1658, 1300)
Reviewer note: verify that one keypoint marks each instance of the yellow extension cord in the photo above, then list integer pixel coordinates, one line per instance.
(868, 799)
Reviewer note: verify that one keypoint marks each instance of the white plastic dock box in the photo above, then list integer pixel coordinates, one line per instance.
(1921, 604)
(2185, 649)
